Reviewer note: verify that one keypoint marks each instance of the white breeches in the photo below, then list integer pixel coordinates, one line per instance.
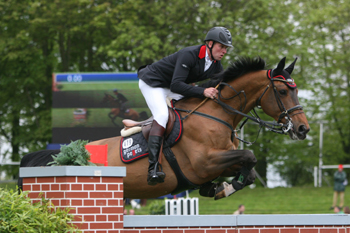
(156, 100)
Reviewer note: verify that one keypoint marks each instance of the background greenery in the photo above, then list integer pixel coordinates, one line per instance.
(295, 200)
(18, 214)
(40, 37)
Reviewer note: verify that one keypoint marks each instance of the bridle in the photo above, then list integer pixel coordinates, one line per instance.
(284, 113)
(277, 127)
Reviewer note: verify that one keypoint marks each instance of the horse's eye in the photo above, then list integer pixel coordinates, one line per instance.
(283, 92)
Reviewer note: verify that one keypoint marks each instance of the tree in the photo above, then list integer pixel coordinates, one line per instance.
(325, 34)
(24, 120)
(39, 38)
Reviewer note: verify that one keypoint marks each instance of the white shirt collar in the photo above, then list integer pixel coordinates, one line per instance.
(207, 58)
(208, 62)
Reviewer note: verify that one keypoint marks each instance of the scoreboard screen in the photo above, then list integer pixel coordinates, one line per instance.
(91, 106)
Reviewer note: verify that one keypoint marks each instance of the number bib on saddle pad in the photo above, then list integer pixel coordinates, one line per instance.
(135, 147)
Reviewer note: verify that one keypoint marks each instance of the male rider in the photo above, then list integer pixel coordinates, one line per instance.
(170, 77)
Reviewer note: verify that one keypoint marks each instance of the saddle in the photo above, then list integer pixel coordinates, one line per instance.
(132, 127)
(133, 145)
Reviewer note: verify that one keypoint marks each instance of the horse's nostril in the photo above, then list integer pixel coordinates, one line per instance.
(303, 130)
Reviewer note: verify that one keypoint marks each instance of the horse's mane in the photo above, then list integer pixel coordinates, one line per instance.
(240, 67)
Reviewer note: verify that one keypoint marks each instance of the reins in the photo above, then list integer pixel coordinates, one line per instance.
(276, 127)
(199, 105)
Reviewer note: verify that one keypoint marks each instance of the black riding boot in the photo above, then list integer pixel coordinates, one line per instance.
(155, 140)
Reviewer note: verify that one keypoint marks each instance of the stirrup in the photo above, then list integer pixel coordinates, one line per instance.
(159, 172)
(154, 177)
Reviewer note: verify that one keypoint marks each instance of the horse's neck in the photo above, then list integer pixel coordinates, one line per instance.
(253, 84)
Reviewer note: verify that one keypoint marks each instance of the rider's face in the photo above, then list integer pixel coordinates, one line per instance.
(218, 51)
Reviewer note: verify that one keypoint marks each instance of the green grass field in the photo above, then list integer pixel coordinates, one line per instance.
(297, 200)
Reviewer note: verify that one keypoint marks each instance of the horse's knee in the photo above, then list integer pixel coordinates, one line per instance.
(250, 159)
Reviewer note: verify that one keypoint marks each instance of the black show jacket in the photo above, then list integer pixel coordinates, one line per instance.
(177, 70)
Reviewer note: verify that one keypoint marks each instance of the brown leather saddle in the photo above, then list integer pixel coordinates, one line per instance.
(147, 124)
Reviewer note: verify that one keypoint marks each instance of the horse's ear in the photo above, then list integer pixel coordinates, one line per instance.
(290, 68)
(280, 66)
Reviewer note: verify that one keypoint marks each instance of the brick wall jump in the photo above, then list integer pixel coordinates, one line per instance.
(95, 196)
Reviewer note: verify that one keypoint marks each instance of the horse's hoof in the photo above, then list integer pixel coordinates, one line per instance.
(219, 192)
(224, 190)
(208, 189)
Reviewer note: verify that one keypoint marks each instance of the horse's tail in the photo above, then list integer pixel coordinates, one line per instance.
(35, 159)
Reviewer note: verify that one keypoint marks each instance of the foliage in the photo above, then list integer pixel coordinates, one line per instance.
(325, 40)
(18, 214)
(39, 38)
(73, 154)
(157, 207)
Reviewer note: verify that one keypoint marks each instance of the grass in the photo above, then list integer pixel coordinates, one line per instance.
(296, 200)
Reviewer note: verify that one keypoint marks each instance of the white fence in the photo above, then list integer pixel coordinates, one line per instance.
(318, 173)
(181, 206)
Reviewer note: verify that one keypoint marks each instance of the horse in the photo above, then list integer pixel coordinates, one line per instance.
(208, 147)
(115, 111)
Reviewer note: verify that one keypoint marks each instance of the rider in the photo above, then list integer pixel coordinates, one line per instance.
(122, 100)
(170, 76)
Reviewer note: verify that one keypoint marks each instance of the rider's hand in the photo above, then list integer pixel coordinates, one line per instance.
(210, 92)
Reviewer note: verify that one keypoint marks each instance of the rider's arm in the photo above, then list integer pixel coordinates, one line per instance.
(185, 61)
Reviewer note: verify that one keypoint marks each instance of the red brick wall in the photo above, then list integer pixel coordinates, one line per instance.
(97, 203)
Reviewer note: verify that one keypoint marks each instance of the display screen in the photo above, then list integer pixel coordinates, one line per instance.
(91, 106)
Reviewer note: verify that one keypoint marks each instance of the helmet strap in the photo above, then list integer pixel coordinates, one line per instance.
(211, 50)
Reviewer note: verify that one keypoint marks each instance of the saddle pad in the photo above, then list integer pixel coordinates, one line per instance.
(135, 146)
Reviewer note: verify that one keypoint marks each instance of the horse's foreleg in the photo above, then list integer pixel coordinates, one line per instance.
(225, 189)
(246, 175)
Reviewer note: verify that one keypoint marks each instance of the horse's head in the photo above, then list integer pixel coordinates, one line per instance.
(280, 100)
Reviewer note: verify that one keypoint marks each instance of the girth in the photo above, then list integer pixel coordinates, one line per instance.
(183, 183)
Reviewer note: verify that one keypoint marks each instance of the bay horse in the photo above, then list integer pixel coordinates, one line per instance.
(208, 146)
(115, 111)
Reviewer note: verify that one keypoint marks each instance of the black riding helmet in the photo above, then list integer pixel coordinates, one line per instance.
(219, 34)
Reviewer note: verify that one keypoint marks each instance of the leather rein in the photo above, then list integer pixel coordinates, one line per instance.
(277, 127)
